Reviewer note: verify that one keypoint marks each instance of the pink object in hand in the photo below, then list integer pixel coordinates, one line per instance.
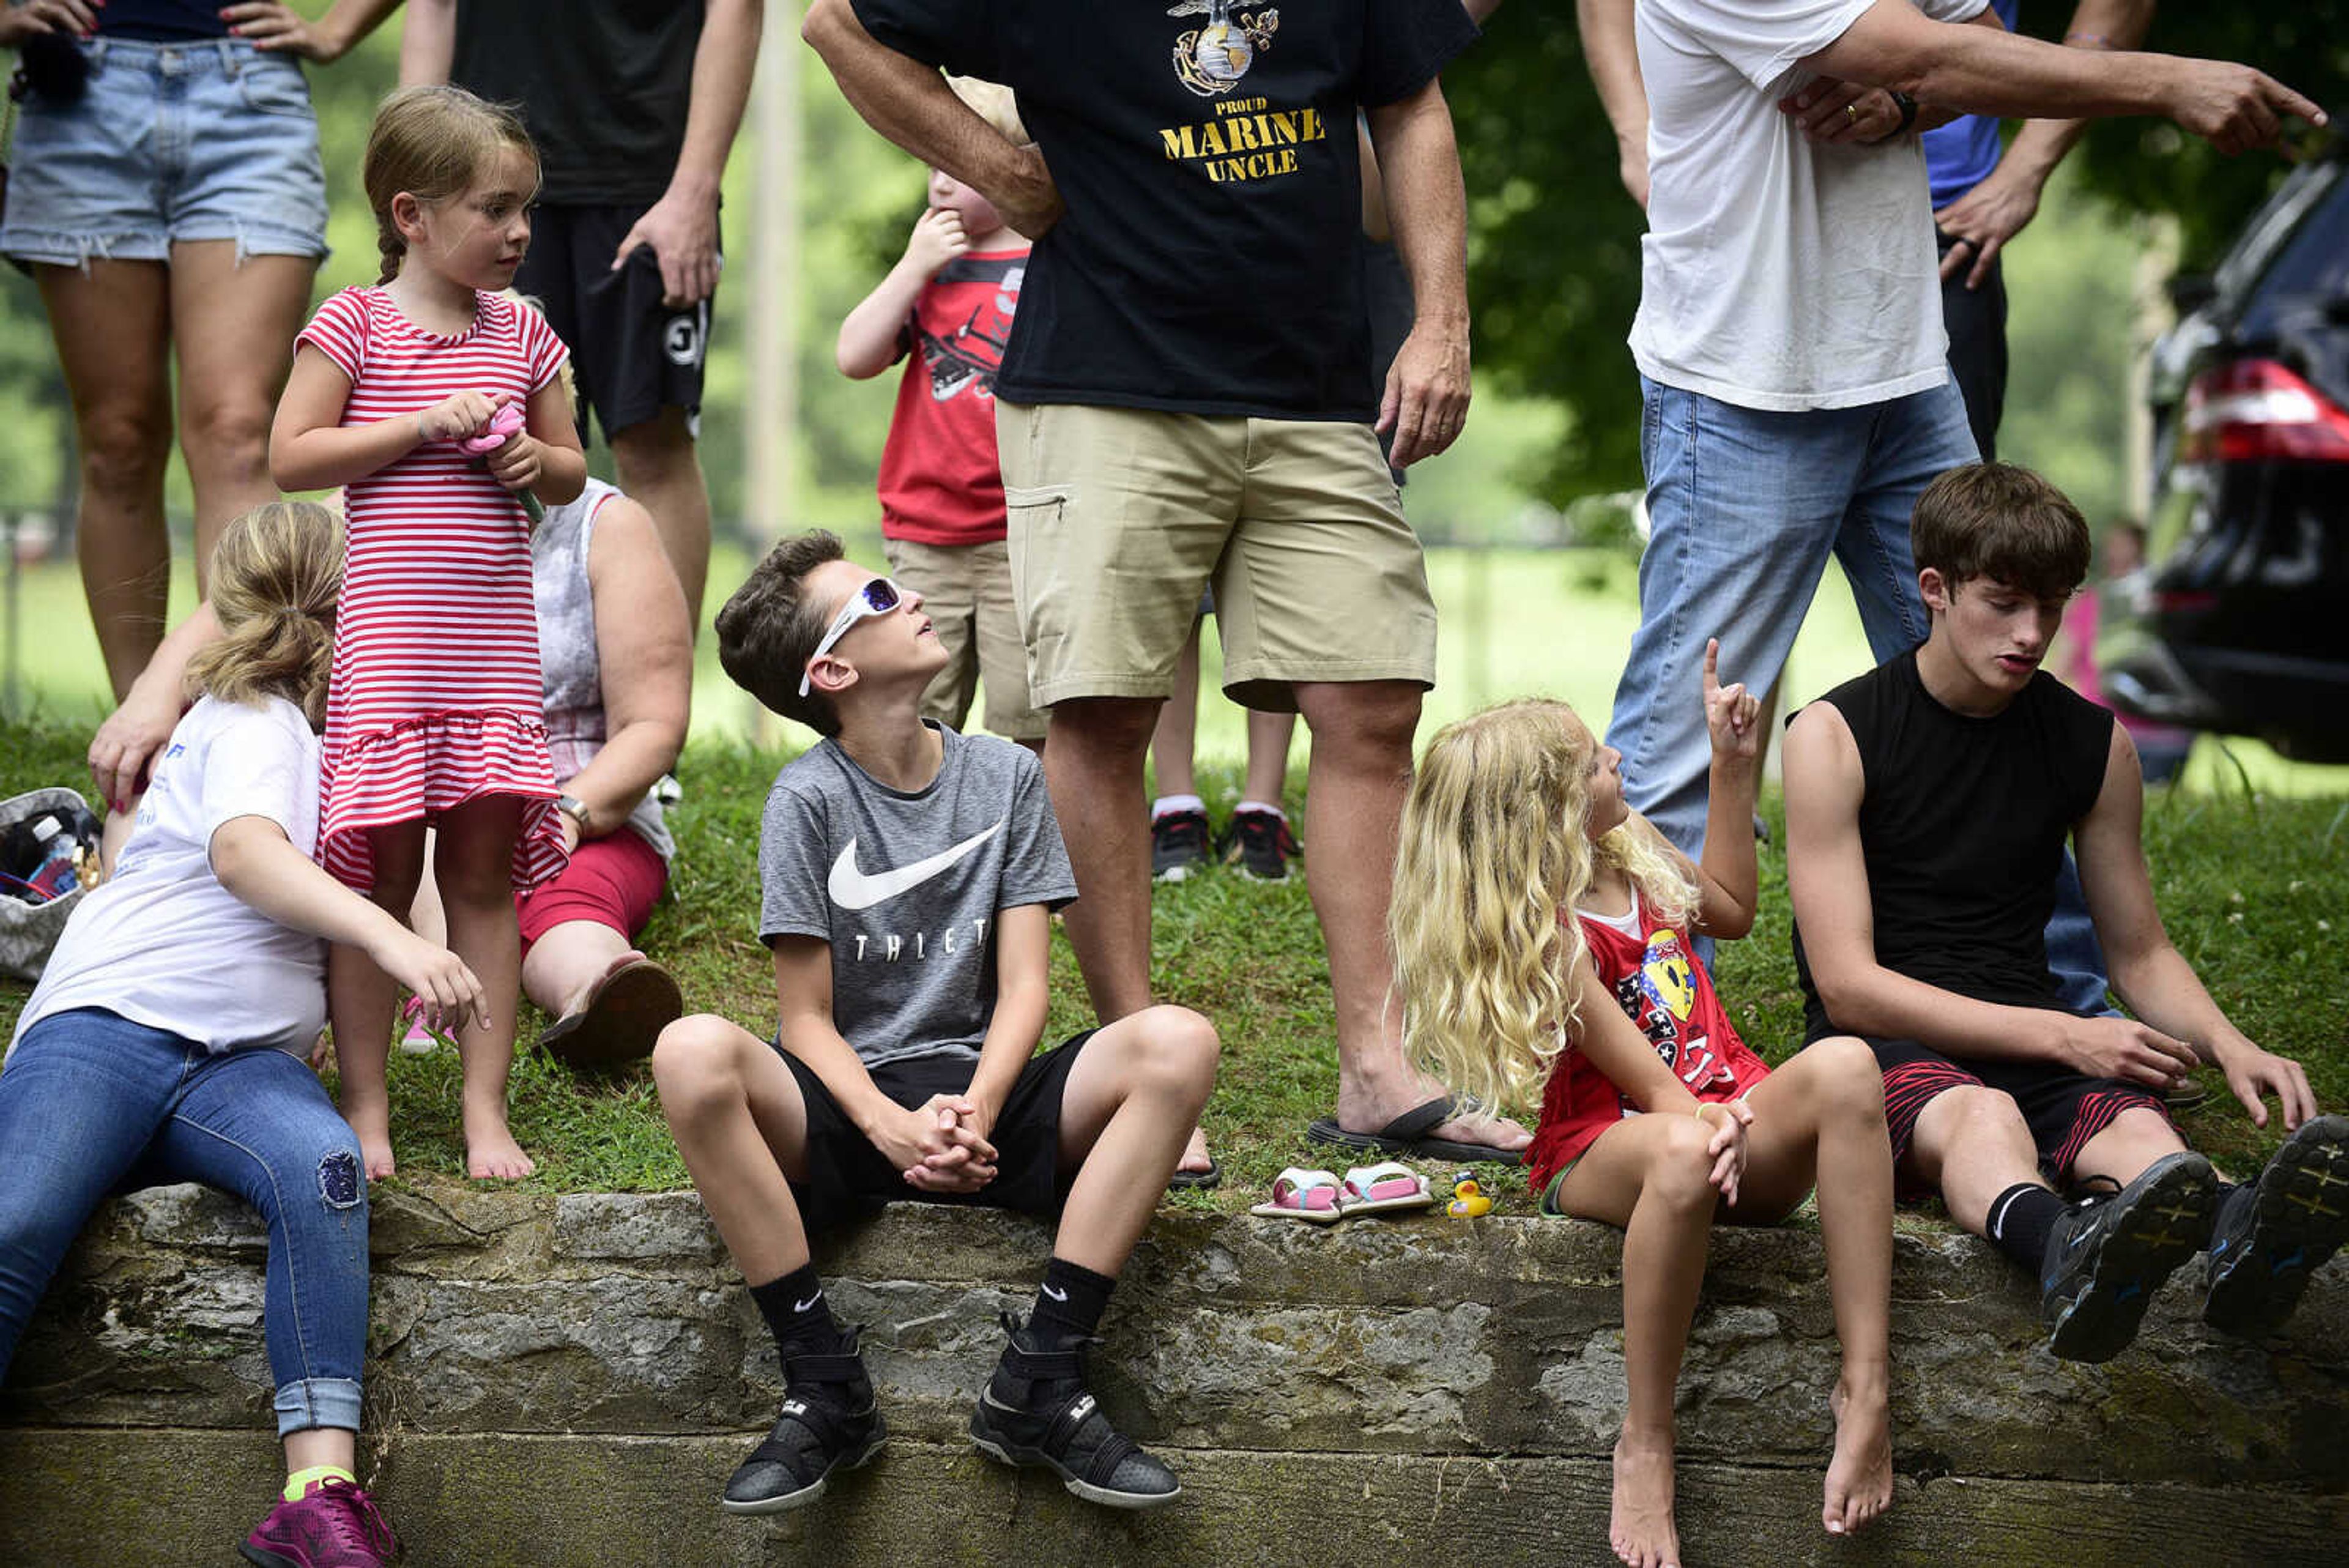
(503, 426)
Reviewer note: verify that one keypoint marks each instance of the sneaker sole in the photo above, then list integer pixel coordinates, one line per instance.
(2169, 1222)
(1177, 873)
(814, 1489)
(2303, 1213)
(1034, 1458)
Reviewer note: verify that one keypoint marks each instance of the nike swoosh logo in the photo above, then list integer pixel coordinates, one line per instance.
(1056, 1295)
(853, 889)
(802, 1306)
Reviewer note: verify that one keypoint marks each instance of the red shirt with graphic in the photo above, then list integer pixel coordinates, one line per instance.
(941, 482)
(1669, 995)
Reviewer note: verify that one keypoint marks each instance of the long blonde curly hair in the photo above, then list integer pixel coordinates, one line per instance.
(276, 574)
(1495, 855)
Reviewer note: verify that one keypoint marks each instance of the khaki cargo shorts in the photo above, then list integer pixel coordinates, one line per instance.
(1119, 517)
(966, 593)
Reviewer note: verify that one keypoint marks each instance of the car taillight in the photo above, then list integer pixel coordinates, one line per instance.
(2256, 408)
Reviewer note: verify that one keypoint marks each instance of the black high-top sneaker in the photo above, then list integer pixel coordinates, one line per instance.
(1036, 1410)
(2275, 1232)
(828, 1421)
(2107, 1258)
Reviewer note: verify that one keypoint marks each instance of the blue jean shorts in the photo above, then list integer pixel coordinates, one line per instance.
(172, 142)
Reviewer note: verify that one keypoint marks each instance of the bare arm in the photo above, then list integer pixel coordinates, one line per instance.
(1023, 937)
(872, 336)
(1729, 880)
(280, 29)
(259, 866)
(1425, 403)
(2149, 973)
(134, 734)
(309, 446)
(1988, 71)
(562, 471)
(682, 226)
(1611, 1043)
(427, 42)
(909, 1138)
(1826, 876)
(644, 648)
(1998, 209)
(911, 104)
(1611, 47)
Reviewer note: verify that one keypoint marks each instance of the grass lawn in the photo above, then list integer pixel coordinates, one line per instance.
(2250, 884)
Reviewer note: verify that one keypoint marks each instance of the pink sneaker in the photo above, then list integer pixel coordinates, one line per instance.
(336, 1525)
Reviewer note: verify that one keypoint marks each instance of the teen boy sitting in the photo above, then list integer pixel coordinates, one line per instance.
(1927, 808)
(908, 874)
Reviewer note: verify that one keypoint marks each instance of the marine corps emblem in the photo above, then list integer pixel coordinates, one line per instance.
(1212, 59)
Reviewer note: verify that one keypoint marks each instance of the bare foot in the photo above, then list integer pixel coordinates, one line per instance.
(1194, 1154)
(373, 1126)
(1640, 1529)
(577, 1000)
(492, 1155)
(1859, 1477)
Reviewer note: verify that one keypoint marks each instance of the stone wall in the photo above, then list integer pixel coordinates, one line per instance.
(561, 1380)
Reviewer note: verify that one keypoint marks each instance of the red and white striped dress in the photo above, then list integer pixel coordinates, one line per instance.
(435, 697)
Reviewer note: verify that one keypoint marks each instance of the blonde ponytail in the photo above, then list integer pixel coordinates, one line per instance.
(276, 575)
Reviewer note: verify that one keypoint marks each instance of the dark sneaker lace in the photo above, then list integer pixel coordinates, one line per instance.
(351, 1515)
(1262, 843)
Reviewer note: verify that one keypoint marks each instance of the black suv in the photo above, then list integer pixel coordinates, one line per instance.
(2241, 622)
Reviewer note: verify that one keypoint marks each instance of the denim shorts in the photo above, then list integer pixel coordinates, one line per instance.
(205, 141)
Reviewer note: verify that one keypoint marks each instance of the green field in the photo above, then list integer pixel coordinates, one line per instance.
(1513, 621)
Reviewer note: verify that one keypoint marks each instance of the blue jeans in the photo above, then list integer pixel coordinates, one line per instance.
(1744, 506)
(92, 1104)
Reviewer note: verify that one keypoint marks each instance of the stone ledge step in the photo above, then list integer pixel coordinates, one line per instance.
(130, 1499)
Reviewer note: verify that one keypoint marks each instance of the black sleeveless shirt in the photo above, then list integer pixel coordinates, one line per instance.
(1963, 821)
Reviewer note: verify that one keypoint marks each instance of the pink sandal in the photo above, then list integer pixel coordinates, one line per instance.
(1312, 1196)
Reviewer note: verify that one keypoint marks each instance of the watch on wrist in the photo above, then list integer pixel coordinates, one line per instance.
(571, 806)
(1907, 111)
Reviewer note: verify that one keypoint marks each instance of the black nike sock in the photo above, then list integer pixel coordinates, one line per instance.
(2021, 1220)
(1068, 1304)
(798, 1315)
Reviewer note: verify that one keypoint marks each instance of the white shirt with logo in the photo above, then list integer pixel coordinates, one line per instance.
(1777, 272)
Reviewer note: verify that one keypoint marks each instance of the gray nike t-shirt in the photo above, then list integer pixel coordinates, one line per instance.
(905, 888)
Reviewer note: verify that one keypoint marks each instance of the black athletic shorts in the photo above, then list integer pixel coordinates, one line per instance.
(2064, 1109)
(848, 1178)
(631, 356)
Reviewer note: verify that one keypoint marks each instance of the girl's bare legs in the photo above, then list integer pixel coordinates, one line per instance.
(233, 324)
(360, 997)
(1819, 1119)
(1649, 1176)
(315, 1445)
(112, 324)
(472, 865)
(1268, 736)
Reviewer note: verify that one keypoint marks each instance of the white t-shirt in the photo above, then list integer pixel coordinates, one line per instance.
(162, 942)
(1777, 273)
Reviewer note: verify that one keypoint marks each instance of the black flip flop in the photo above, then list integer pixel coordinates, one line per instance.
(1407, 1136)
(625, 1013)
(1197, 1180)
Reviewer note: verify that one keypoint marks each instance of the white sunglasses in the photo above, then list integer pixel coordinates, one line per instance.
(878, 597)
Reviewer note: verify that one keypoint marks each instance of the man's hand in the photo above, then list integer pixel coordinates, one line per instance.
(32, 19)
(1980, 221)
(280, 29)
(1031, 204)
(1831, 110)
(682, 229)
(937, 239)
(1730, 712)
(2232, 107)
(2122, 1048)
(2253, 1074)
(1426, 400)
(935, 1147)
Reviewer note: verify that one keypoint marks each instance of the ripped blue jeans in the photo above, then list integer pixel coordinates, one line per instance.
(92, 1104)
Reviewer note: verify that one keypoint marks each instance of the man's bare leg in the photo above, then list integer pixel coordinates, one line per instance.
(1093, 764)
(660, 468)
(1355, 784)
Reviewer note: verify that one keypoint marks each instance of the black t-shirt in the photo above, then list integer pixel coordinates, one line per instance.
(1963, 821)
(163, 21)
(603, 85)
(1205, 149)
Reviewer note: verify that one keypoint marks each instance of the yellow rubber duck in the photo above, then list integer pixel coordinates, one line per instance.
(1468, 1199)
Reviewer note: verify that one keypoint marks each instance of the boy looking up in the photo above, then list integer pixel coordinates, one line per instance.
(908, 873)
(945, 309)
(1928, 804)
